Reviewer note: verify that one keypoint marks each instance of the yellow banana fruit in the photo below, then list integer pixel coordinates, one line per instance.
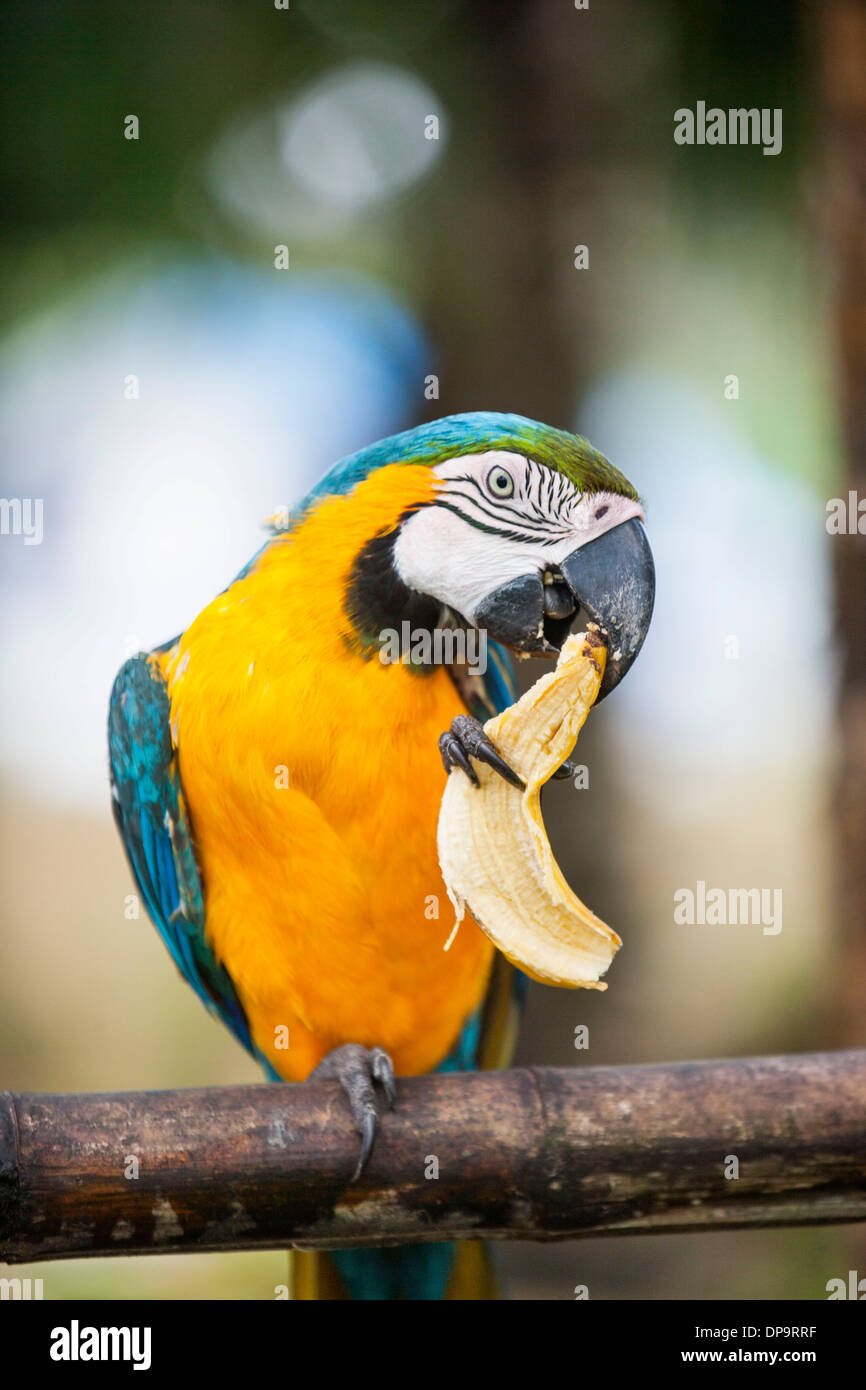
(494, 853)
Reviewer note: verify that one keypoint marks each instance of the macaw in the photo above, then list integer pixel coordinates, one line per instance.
(276, 781)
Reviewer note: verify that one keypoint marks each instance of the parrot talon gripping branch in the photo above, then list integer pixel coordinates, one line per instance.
(357, 1068)
(284, 861)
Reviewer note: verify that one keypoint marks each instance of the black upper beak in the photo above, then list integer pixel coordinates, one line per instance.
(610, 580)
(613, 579)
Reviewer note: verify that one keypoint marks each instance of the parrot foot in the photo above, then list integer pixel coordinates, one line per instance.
(357, 1068)
(466, 738)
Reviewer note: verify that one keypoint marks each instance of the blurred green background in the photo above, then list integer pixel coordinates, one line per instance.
(165, 388)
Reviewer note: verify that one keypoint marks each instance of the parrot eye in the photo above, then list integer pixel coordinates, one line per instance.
(500, 482)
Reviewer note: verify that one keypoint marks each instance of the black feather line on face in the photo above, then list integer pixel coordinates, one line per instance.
(542, 498)
(377, 598)
(540, 508)
(499, 503)
(504, 532)
(497, 510)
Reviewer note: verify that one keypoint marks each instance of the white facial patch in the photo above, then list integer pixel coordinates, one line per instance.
(497, 516)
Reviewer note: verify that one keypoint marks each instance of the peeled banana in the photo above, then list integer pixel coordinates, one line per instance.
(494, 853)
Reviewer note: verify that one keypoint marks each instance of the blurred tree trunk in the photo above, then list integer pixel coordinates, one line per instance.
(844, 83)
(523, 83)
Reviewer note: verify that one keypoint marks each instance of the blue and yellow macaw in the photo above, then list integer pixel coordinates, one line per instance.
(276, 782)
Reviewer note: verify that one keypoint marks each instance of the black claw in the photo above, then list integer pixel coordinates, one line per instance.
(368, 1134)
(356, 1069)
(486, 753)
(453, 755)
(568, 769)
(466, 738)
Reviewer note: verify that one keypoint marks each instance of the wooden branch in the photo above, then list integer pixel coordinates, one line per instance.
(532, 1154)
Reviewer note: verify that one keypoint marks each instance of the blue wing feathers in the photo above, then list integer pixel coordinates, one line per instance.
(155, 830)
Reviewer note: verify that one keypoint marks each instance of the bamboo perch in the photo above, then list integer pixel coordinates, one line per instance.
(534, 1154)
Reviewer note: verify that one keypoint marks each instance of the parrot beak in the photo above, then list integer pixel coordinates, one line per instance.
(613, 579)
(609, 581)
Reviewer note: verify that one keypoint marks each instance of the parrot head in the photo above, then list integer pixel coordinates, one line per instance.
(526, 531)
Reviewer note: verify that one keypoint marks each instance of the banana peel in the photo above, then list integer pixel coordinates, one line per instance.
(494, 853)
